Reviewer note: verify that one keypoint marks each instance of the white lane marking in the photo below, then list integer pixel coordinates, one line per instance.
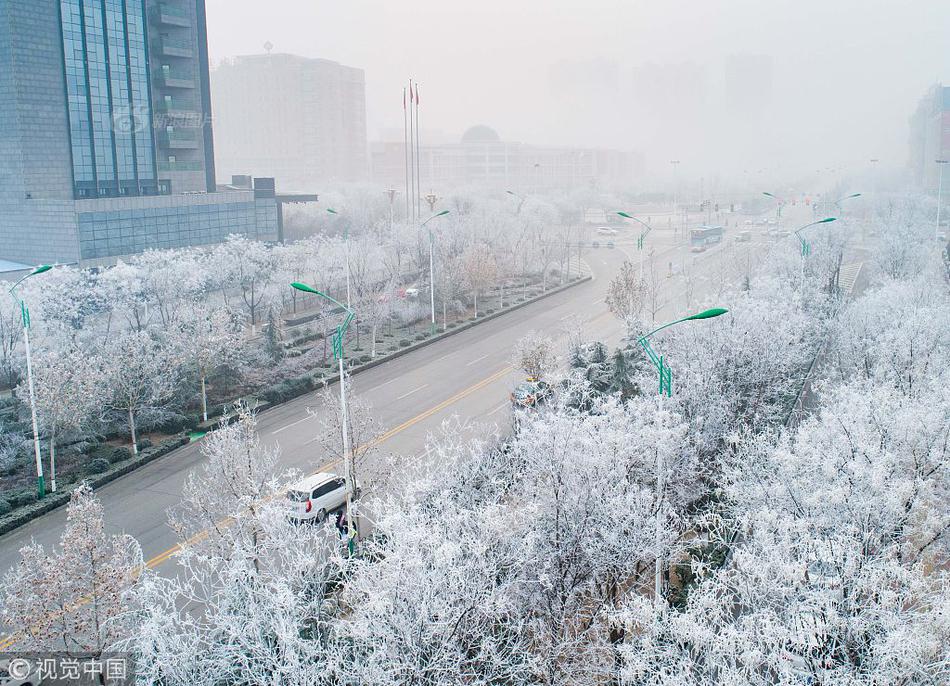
(477, 360)
(598, 302)
(497, 409)
(406, 395)
(277, 431)
(567, 316)
(385, 383)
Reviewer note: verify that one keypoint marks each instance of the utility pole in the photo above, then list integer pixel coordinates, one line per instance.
(939, 194)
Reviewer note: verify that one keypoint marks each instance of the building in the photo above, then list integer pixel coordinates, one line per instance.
(105, 133)
(482, 158)
(930, 138)
(299, 119)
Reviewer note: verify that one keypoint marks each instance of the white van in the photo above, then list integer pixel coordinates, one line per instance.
(311, 498)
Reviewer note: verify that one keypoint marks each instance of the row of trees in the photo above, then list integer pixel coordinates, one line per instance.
(138, 344)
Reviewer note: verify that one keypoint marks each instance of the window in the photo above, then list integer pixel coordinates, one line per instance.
(326, 488)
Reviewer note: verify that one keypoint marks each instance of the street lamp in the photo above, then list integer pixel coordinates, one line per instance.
(939, 194)
(666, 384)
(521, 200)
(640, 238)
(806, 246)
(346, 251)
(432, 265)
(838, 202)
(391, 192)
(781, 203)
(25, 317)
(338, 353)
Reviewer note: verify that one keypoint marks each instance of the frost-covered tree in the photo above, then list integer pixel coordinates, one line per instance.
(218, 513)
(136, 378)
(535, 355)
(73, 598)
(66, 384)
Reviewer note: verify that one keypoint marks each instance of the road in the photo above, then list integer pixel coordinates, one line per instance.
(467, 374)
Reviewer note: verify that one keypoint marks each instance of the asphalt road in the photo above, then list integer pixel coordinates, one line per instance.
(467, 375)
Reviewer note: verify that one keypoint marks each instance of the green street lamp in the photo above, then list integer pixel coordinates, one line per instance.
(432, 265)
(640, 238)
(338, 354)
(666, 384)
(346, 251)
(25, 317)
(804, 244)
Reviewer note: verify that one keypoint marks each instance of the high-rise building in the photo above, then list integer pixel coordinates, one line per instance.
(105, 133)
(299, 119)
(930, 138)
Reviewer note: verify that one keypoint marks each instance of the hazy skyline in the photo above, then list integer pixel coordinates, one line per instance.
(846, 75)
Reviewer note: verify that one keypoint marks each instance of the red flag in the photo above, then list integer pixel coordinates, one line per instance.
(410, 92)
(417, 94)
(404, 98)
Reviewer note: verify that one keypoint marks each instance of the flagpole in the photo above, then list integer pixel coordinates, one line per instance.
(405, 139)
(418, 158)
(412, 154)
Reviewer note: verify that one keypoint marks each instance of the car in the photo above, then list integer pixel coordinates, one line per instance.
(595, 244)
(760, 222)
(744, 237)
(311, 498)
(610, 244)
(412, 293)
(942, 236)
(748, 222)
(772, 222)
(19, 672)
(607, 231)
(530, 393)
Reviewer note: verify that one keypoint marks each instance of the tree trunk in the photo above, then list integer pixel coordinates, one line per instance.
(135, 445)
(374, 338)
(445, 323)
(52, 460)
(204, 399)
(476, 304)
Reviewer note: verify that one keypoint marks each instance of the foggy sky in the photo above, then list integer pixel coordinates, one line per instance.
(648, 76)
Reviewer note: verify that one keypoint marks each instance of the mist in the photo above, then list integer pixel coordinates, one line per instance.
(844, 76)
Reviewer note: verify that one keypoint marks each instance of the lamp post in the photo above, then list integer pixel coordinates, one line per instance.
(346, 252)
(939, 194)
(640, 238)
(838, 202)
(805, 246)
(432, 265)
(338, 353)
(781, 203)
(391, 193)
(666, 384)
(521, 200)
(675, 164)
(25, 317)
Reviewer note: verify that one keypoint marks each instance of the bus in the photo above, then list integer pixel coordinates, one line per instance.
(704, 236)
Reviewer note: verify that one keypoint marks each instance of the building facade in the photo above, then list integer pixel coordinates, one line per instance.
(930, 138)
(105, 131)
(299, 119)
(482, 158)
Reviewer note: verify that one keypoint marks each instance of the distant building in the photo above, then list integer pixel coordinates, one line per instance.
(105, 133)
(482, 158)
(299, 119)
(930, 138)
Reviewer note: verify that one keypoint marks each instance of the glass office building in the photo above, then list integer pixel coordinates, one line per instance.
(107, 87)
